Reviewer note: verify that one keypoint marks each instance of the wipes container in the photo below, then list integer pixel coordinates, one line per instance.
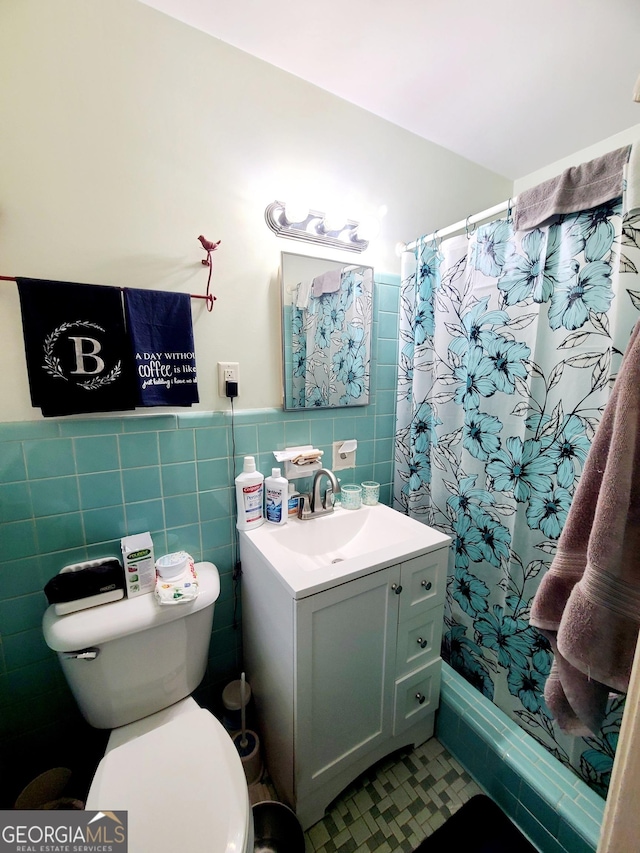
(171, 566)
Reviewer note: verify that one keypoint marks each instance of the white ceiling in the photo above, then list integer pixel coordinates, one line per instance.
(513, 85)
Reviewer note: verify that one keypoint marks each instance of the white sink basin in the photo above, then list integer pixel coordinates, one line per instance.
(341, 535)
(310, 555)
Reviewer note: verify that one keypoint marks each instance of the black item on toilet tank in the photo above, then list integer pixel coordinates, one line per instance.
(97, 577)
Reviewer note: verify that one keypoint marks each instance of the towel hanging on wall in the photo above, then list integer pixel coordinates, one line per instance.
(161, 333)
(588, 604)
(78, 356)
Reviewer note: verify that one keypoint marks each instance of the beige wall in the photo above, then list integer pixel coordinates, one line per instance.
(626, 137)
(126, 134)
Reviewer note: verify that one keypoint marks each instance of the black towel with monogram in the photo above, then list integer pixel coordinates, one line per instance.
(78, 354)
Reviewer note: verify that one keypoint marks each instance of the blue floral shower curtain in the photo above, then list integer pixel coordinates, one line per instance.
(509, 342)
(331, 345)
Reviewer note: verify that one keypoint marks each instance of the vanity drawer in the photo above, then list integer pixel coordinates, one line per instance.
(419, 640)
(423, 582)
(416, 696)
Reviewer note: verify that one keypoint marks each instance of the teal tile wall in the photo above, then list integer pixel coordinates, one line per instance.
(555, 809)
(70, 488)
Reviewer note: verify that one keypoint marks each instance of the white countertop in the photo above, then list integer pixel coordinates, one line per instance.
(312, 555)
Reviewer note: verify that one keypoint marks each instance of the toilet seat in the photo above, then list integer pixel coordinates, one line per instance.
(181, 782)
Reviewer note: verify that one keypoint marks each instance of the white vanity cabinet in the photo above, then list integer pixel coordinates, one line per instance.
(342, 676)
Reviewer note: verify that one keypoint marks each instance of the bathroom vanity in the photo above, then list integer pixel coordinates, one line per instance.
(342, 623)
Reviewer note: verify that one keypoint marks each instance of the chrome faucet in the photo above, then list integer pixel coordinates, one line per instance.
(314, 504)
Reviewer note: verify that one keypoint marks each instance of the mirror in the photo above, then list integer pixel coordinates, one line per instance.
(327, 314)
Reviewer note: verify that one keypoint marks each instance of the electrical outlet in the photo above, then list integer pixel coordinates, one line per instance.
(228, 371)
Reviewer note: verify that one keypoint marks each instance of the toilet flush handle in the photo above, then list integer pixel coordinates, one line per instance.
(83, 654)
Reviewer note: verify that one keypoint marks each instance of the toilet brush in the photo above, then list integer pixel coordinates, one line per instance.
(247, 743)
(243, 711)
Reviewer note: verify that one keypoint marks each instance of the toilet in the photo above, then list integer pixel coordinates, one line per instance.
(131, 666)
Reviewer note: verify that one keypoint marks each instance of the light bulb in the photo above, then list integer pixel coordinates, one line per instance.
(335, 220)
(368, 229)
(295, 211)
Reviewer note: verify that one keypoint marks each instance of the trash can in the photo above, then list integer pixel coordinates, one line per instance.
(47, 791)
(276, 829)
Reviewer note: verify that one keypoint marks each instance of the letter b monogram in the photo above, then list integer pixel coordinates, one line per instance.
(90, 354)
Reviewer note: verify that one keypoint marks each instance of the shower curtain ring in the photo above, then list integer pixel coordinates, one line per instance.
(469, 233)
(509, 210)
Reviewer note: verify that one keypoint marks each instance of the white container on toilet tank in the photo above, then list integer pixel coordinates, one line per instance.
(139, 564)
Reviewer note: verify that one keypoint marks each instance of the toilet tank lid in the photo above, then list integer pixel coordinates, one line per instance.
(105, 622)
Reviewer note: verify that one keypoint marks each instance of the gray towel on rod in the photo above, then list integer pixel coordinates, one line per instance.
(327, 282)
(576, 189)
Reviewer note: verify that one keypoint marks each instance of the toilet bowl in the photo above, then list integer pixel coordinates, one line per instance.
(170, 764)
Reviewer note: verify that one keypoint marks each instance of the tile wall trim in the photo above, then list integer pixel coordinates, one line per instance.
(548, 802)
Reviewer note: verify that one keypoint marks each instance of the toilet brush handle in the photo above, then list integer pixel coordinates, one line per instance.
(243, 741)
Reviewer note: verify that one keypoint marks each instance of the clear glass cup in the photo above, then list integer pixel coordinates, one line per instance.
(370, 492)
(351, 496)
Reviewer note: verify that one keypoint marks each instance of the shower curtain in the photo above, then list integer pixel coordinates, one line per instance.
(331, 345)
(509, 343)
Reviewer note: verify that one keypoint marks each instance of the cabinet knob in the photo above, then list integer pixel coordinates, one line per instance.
(420, 697)
(422, 643)
(397, 588)
(426, 584)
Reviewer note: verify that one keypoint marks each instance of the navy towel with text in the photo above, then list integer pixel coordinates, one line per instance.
(161, 334)
(78, 356)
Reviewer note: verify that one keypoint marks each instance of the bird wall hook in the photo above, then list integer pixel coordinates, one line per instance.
(209, 247)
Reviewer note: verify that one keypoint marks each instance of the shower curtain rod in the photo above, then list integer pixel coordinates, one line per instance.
(464, 223)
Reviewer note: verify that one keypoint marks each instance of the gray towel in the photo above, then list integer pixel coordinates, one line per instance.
(328, 282)
(588, 603)
(632, 176)
(576, 189)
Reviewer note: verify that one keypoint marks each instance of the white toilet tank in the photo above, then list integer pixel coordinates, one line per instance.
(131, 658)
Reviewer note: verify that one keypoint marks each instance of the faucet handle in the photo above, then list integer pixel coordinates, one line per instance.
(329, 498)
(304, 505)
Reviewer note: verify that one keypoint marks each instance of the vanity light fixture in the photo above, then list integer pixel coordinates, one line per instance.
(315, 227)
(368, 229)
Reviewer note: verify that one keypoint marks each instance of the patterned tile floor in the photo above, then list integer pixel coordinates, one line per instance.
(395, 804)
